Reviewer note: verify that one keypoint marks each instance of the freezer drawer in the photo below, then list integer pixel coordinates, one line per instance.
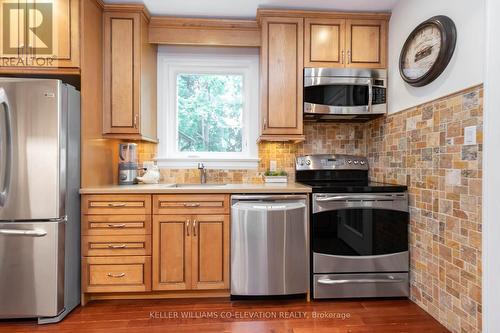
(31, 269)
(269, 247)
(361, 285)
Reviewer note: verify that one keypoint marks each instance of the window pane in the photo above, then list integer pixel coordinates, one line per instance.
(209, 112)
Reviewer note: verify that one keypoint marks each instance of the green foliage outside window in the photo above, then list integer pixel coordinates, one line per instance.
(209, 112)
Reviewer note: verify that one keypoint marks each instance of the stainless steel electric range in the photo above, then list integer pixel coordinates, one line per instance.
(359, 229)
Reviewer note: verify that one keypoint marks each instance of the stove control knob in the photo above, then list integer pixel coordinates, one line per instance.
(301, 162)
(308, 162)
(349, 161)
(362, 162)
(356, 162)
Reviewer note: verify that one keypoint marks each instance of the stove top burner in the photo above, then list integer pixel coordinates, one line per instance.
(339, 174)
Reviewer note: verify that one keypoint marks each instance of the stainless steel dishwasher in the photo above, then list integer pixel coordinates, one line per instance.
(269, 245)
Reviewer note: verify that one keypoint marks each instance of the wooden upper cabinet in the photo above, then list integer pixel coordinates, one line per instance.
(324, 43)
(366, 43)
(282, 76)
(345, 43)
(43, 36)
(129, 75)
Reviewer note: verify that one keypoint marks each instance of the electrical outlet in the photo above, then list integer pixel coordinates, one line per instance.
(470, 135)
(272, 166)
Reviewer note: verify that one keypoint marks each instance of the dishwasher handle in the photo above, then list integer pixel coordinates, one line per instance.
(269, 197)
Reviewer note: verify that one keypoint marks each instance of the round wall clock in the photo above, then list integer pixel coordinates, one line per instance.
(427, 51)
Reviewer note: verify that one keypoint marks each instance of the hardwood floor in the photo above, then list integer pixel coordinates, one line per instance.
(222, 315)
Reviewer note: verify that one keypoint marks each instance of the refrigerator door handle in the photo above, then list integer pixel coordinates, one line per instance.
(17, 232)
(7, 169)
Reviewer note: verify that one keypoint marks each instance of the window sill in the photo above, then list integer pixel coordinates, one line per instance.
(210, 163)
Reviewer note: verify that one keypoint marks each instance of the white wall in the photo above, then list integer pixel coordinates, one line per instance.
(491, 178)
(466, 66)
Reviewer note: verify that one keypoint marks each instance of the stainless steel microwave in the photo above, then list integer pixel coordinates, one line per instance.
(344, 94)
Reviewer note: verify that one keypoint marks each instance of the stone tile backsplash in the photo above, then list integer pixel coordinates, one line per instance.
(423, 147)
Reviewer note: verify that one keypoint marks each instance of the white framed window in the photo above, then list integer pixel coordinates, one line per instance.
(208, 104)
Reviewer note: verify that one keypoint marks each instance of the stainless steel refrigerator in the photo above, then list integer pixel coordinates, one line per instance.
(39, 200)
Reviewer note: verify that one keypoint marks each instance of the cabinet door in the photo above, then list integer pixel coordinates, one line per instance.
(282, 75)
(366, 43)
(210, 252)
(172, 252)
(121, 73)
(41, 34)
(324, 43)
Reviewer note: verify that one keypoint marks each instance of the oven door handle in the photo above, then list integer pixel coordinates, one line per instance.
(389, 279)
(370, 95)
(360, 197)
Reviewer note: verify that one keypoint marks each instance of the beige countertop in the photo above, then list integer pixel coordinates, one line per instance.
(198, 188)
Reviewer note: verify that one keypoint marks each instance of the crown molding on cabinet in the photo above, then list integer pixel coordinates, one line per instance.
(206, 32)
(132, 8)
(264, 12)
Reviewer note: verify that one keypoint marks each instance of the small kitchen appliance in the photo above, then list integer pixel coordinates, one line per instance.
(344, 94)
(359, 229)
(127, 167)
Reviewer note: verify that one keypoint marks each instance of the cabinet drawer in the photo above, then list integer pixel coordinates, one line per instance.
(116, 274)
(191, 204)
(116, 204)
(136, 245)
(95, 225)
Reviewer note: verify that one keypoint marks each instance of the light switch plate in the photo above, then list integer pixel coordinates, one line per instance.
(470, 135)
(272, 166)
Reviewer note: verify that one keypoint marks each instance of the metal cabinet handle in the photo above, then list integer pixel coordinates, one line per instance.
(348, 56)
(196, 204)
(342, 58)
(136, 117)
(111, 275)
(188, 221)
(265, 123)
(121, 246)
(116, 225)
(194, 228)
(16, 232)
(117, 204)
(389, 279)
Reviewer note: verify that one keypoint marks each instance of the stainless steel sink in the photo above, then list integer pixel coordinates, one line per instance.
(199, 185)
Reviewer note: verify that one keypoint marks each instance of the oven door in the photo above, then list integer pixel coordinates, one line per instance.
(353, 233)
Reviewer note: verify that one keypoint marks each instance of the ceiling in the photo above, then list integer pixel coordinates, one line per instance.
(248, 8)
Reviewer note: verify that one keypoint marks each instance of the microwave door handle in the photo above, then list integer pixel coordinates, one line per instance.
(7, 149)
(370, 95)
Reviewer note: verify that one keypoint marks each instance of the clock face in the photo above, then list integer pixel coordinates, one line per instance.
(428, 50)
(422, 52)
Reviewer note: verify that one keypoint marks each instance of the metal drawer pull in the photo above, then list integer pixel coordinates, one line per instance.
(187, 226)
(116, 225)
(122, 246)
(388, 280)
(196, 204)
(111, 275)
(15, 232)
(117, 204)
(194, 228)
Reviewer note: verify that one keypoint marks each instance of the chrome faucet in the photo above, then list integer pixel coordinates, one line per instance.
(203, 173)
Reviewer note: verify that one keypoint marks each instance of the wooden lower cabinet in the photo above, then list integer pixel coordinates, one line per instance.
(116, 274)
(190, 252)
(128, 252)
